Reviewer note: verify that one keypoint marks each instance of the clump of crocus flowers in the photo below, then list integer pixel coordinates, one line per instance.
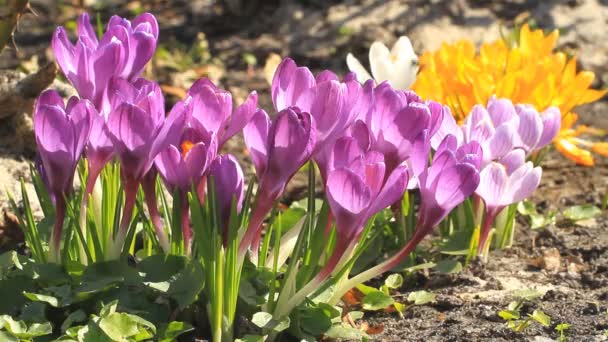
(528, 71)
(371, 143)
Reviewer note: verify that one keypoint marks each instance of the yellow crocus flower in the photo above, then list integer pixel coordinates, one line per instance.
(528, 72)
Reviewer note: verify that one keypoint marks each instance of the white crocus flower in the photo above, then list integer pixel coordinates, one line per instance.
(398, 66)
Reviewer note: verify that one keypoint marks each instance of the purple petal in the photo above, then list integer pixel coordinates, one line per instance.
(146, 22)
(256, 140)
(501, 143)
(478, 125)
(292, 138)
(85, 29)
(500, 110)
(241, 116)
(289, 82)
(523, 182)
(211, 108)
(169, 164)
(228, 177)
(348, 197)
(513, 160)
(551, 118)
(455, 184)
(345, 151)
(392, 191)
(131, 128)
(63, 51)
(448, 126)
(530, 127)
(493, 182)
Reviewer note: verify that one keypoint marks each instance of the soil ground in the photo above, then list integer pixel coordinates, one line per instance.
(567, 263)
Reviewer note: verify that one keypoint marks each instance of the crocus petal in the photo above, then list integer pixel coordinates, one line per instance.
(530, 127)
(256, 140)
(501, 143)
(551, 118)
(448, 126)
(288, 83)
(493, 182)
(85, 29)
(478, 125)
(170, 166)
(211, 108)
(130, 127)
(228, 178)
(292, 138)
(392, 191)
(348, 198)
(345, 151)
(455, 184)
(523, 182)
(379, 60)
(405, 65)
(241, 116)
(355, 66)
(513, 160)
(63, 51)
(500, 110)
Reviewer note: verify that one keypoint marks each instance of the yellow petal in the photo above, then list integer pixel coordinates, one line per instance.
(573, 152)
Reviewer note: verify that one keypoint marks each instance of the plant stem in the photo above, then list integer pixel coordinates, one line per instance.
(377, 270)
(185, 218)
(261, 208)
(284, 309)
(130, 188)
(488, 220)
(55, 246)
(149, 186)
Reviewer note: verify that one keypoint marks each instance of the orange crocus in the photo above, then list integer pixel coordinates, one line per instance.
(529, 71)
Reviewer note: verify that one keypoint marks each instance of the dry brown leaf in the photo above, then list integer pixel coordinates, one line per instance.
(272, 63)
(549, 261)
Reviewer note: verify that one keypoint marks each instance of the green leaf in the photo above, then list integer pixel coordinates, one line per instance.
(541, 317)
(376, 300)
(76, 316)
(581, 212)
(265, 321)
(562, 327)
(121, 326)
(315, 321)
(187, 284)
(528, 208)
(109, 308)
(457, 244)
(346, 333)
(52, 301)
(20, 329)
(509, 315)
(170, 332)
(421, 297)
(394, 281)
(448, 266)
(527, 294)
(6, 337)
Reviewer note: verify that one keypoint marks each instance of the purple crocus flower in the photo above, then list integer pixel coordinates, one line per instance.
(501, 127)
(61, 134)
(502, 183)
(228, 179)
(139, 132)
(401, 126)
(333, 104)
(278, 149)
(212, 110)
(123, 52)
(137, 125)
(358, 186)
(452, 177)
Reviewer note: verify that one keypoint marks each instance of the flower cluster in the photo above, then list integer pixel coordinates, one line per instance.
(371, 143)
(529, 72)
